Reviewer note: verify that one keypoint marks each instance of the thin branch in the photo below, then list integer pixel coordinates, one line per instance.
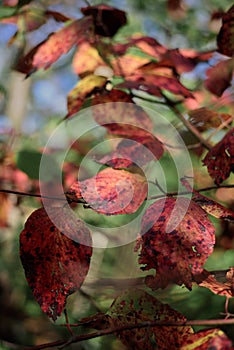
(146, 324)
(189, 126)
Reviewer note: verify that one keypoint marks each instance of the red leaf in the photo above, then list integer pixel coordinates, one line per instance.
(136, 306)
(107, 19)
(55, 265)
(219, 77)
(220, 159)
(181, 253)
(204, 118)
(125, 118)
(225, 39)
(61, 42)
(131, 152)
(111, 192)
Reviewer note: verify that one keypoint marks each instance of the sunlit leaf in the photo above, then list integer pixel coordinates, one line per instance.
(86, 59)
(225, 39)
(55, 265)
(81, 91)
(136, 306)
(219, 77)
(220, 159)
(107, 19)
(111, 192)
(180, 253)
(59, 43)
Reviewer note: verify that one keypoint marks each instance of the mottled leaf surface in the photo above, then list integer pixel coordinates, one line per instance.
(54, 261)
(217, 285)
(111, 191)
(181, 253)
(225, 39)
(220, 159)
(136, 306)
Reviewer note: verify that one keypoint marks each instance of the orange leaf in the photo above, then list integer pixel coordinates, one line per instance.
(220, 159)
(86, 59)
(61, 42)
(55, 265)
(83, 89)
(111, 192)
(181, 253)
(136, 306)
(225, 39)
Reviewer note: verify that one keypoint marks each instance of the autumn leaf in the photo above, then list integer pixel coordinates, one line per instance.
(207, 339)
(81, 91)
(59, 43)
(54, 261)
(204, 118)
(107, 20)
(225, 38)
(181, 253)
(136, 306)
(131, 152)
(220, 159)
(86, 59)
(217, 285)
(147, 44)
(219, 77)
(111, 191)
(126, 65)
(114, 109)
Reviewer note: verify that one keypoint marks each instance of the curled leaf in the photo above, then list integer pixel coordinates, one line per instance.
(54, 261)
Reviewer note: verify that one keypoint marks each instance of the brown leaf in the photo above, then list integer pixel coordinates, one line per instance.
(107, 20)
(220, 159)
(81, 91)
(111, 192)
(181, 253)
(204, 118)
(136, 306)
(61, 42)
(55, 265)
(225, 39)
(219, 77)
